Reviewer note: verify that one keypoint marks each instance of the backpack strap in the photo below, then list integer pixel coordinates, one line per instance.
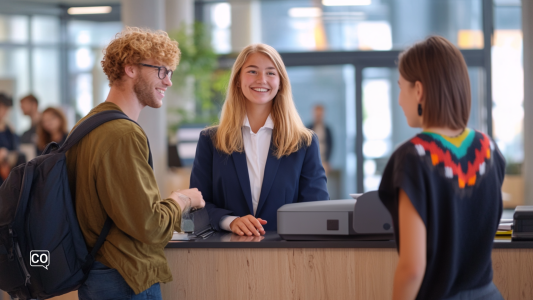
(91, 256)
(74, 137)
(24, 195)
(94, 121)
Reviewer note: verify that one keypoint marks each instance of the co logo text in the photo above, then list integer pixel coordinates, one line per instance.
(40, 258)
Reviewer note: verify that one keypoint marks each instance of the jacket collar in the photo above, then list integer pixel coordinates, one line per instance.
(268, 124)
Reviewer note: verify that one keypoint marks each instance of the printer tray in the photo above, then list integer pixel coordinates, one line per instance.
(357, 237)
(522, 236)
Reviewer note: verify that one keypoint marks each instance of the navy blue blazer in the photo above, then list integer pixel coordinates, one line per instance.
(225, 185)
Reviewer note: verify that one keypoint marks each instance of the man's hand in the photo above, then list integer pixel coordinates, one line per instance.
(195, 196)
(197, 201)
(248, 225)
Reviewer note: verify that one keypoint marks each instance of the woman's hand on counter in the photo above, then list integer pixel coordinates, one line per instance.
(248, 225)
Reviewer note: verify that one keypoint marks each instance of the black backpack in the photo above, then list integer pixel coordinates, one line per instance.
(42, 250)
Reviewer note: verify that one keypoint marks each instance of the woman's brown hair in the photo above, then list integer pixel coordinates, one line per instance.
(44, 137)
(441, 69)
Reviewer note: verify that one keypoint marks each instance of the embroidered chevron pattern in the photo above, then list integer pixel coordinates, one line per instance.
(457, 145)
(451, 168)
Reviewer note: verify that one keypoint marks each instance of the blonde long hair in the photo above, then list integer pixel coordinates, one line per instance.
(289, 133)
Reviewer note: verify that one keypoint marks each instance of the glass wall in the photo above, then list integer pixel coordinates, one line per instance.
(59, 61)
(380, 112)
(45, 29)
(14, 29)
(30, 60)
(508, 95)
(14, 81)
(380, 25)
(89, 85)
(308, 25)
(333, 88)
(367, 37)
(46, 76)
(508, 82)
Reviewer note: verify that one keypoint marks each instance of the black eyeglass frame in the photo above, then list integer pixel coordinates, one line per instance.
(167, 71)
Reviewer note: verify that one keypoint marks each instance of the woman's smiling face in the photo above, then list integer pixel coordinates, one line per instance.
(259, 79)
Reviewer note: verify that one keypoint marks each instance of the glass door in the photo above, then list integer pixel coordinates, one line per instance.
(328, 93)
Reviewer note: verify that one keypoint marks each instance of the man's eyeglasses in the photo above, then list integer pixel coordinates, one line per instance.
(162, 72)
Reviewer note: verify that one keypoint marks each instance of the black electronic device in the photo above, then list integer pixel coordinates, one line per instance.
(202, 226)
(523, 223)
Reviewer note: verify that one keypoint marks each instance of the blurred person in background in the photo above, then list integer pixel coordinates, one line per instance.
(30, 107)
(9, 141)
(322, 131)
(51, 128)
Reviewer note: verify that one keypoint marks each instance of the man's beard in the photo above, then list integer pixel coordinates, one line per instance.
(145, 93)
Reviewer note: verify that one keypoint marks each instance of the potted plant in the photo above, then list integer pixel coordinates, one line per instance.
(198, 73)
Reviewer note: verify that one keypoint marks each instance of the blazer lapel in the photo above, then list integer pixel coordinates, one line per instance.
(239, 159)
(271, 168)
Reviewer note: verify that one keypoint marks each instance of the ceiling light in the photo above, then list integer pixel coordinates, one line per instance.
(346, 16)
(305, 12)
(91, 10)
(346, 2)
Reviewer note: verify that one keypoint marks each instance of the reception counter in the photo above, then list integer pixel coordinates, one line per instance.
(226, 266)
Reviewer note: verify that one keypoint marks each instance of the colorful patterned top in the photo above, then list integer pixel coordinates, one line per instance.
(455, 185)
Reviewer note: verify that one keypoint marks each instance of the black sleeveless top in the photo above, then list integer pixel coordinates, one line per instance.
(455, 186)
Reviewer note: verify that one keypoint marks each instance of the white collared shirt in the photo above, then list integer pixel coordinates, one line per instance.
(256, 147)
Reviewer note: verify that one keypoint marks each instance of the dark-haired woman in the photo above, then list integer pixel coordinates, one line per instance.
(442, 187)
(52, 128)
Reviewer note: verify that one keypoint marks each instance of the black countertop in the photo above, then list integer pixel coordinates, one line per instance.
(273, 240)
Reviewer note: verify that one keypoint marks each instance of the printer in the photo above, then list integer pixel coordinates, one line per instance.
(364, 218)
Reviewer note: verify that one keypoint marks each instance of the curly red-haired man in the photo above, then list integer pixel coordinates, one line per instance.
(110, 175)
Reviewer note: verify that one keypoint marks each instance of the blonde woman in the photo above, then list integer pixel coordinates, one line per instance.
(260, 156)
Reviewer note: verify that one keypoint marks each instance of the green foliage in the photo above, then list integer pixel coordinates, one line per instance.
(199, 61)
(513, 168)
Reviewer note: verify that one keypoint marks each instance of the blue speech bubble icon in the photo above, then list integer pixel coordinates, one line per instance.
(40, 258)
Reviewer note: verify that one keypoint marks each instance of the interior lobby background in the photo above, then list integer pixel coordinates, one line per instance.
(340, 57)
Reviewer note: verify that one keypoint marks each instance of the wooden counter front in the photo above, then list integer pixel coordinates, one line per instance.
(280, 274)
(278, 270)
(314, 273)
